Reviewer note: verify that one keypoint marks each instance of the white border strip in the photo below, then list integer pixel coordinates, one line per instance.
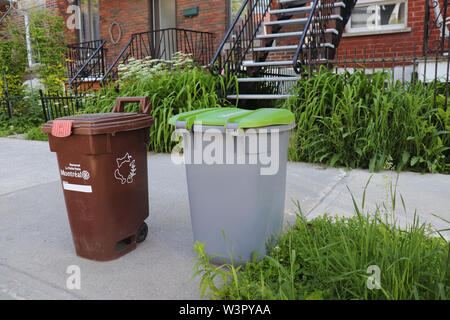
(77, 187)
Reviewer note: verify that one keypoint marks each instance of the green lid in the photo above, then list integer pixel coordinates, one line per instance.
(235, 117)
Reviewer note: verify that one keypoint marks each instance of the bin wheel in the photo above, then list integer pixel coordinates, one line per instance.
(142, 233)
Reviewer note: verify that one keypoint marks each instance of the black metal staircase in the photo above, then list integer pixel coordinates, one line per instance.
(85, 66)
(271, 44)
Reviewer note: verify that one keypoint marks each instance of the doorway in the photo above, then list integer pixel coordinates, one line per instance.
(164, 22)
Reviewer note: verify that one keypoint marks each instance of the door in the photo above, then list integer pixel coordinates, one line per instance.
(165, 37)
(90, 20)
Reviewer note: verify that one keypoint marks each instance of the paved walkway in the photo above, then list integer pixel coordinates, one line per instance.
(36, 245)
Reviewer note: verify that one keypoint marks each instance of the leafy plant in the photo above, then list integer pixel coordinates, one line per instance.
(18, 125)
(35, 133)
(49, 44)
(173, 87)
(330, 258)
(372, 122)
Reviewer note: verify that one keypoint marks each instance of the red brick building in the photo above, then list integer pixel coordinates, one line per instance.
(377, 28)
(116, 20)
(387, 25)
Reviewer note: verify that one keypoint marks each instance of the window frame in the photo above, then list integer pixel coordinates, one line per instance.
(386, 29)
(90, 18)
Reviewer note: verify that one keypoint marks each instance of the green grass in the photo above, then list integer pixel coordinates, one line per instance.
(357, 121)
(329, 258)
(18, 124)
(36, 134)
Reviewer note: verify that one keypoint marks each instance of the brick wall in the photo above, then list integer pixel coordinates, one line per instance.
(385, 44)
(134, 16)
(211, 18)
(60, 7)
(131, 16)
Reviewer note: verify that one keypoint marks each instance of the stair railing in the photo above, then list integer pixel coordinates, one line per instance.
(240, 37)
(90, 72)
(162, 44)
(310, 49)
(77, 54)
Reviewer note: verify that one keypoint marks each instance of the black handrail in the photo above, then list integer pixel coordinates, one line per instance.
(78, 53)
(86, 64)
(295, 63)
(116, 61)
(315, 28)
(438, 24)
(227, 36)
(245, 33)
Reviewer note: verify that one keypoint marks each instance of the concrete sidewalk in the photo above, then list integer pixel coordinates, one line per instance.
(36, 245)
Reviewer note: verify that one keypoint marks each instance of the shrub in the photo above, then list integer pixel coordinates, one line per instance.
(49, 44)
(36, 134)
(372, 122)
(18, 125)
(173, 87)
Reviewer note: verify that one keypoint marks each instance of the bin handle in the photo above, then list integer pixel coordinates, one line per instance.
(144, 107)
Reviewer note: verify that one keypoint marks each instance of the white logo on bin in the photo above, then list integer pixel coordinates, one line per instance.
(126, 169)
(73, 170)
(86, 175)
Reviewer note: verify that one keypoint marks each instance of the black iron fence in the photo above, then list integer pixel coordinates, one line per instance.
(162, 44)
(61, 105)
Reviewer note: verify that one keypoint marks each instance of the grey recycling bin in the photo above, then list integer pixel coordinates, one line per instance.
(236, 176)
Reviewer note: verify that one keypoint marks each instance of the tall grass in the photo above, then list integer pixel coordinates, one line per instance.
(355, 120)
(332, 258)
(172, 86)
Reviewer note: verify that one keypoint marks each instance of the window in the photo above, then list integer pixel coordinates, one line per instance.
(90, 20)
(378, 17)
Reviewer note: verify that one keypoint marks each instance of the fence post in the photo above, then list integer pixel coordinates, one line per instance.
(8, 102)
(43, 105)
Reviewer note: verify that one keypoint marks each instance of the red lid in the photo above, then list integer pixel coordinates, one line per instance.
(102, 123)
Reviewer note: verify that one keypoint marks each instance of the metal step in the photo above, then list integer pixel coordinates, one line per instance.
(300, 10)
(290, 34)
(267, 63)
(259, 96)
(268, 79)
(279, 48)
(299, 21)
(288, 48)
(275, 63)
(293, 2)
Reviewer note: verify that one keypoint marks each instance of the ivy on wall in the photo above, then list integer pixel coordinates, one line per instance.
(49, 43)
(13, 57)
(48, 46)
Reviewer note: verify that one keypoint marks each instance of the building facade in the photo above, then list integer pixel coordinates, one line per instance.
(116, 20)
(376, 29)
(393, 26)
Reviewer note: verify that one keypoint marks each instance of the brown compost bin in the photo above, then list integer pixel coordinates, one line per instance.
(102, 162)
